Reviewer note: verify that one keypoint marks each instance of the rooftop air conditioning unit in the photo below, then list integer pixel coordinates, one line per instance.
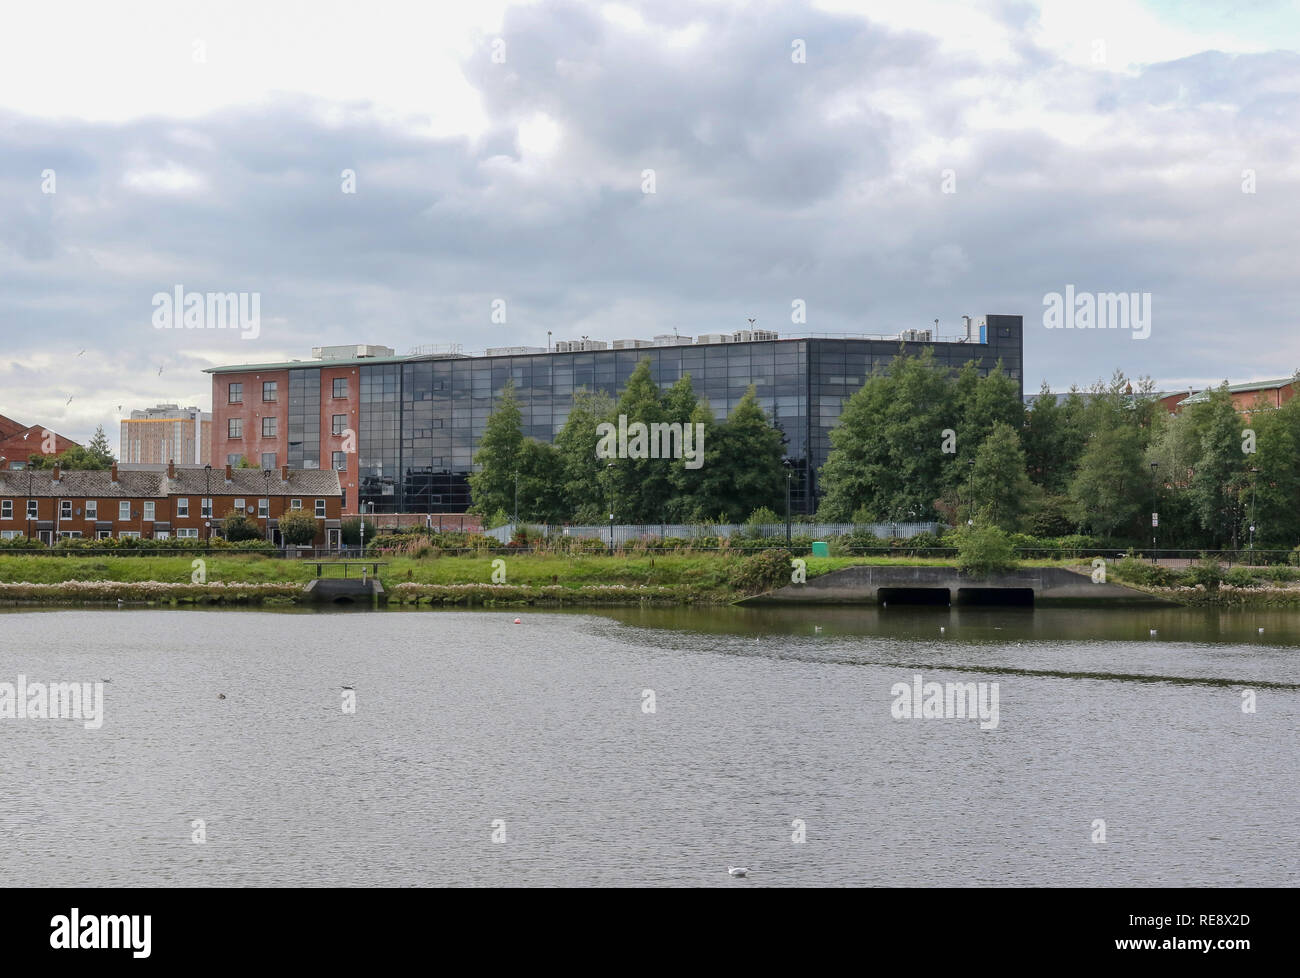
(672, 339)
(630, 344)
(915, 335)
(713, 338)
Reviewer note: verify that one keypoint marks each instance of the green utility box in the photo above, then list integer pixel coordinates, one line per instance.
(821, 548)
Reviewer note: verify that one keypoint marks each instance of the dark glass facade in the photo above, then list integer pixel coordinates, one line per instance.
(304, 419)
(421, 419)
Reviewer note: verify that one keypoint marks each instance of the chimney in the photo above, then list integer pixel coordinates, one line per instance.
(229, 474)
(112, 473)
(284, 473)
(171, 468)
(55, 477)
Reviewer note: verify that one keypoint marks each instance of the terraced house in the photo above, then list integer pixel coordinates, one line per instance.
(181, 502)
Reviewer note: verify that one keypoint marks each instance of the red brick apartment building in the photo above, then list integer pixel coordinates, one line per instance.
(19, 442)
(1245, 397)
(251, 406)
(178, 502)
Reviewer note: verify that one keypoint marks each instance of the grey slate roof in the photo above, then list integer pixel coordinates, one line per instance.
(188, 482)
(251, 482)
(78, 484)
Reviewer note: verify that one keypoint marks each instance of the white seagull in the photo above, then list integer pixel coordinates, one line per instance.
(737, 870)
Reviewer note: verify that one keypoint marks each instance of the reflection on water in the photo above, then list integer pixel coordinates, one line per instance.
(761, 717)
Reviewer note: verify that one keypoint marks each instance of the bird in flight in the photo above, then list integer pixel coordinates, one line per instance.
(69, 401)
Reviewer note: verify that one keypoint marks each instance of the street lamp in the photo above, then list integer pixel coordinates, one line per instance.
(207, 500)
(789, 477)
(266, 475)
(516, 518)
(610, 469)
(1254, 478)
(970, 505)
(1155, 517)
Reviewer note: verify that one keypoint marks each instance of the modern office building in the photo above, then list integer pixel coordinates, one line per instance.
(402, 430)
(167, 433)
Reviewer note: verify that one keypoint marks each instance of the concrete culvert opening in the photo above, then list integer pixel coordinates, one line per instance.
(913, 595)
(1004, 597)
(343, 599)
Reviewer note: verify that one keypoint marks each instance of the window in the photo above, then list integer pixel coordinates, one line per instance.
(69, 534)
(31, 509)
(92, 509)
(148, 509)
(162, 535)
(10, 534)
(234, 429)
(264, 507)
(270, 427)
(339, 460)
(6, 509)
(205, 507)
(295, 504)
(235, 394)
(124, 510)
(182, 508)
(340, 387)
(129, 535)
(239, 505)
(234, 460)
(320, 509)
(187, 533)
(340, 423)
(103, 534)
(268, 459)
(270, 391)
(65, 509)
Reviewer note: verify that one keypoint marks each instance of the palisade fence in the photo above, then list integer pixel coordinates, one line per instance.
(626, 533)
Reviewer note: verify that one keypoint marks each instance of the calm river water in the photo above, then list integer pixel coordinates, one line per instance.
(766, 725)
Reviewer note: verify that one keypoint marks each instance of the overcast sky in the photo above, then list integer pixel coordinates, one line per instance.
(500, 152)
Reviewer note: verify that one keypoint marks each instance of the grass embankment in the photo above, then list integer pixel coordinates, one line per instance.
(1208, 584)
(529, 578)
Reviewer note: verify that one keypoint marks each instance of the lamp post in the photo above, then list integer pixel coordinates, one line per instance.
(789, 477)
(266, 477)
(970, 505)
(1254, 478)
(516, 516)
(361, 513)
(29, 502)
(1155, 517)
(610, 469)
(207, 500)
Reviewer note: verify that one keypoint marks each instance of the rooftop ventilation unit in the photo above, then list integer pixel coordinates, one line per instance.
(631, 344)
(915, 335)
(672, 339)
(512, 351)
(579, 346)
(706, 338)
(357, 351)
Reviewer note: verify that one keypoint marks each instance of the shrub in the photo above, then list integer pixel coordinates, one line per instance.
(350, 530)
(298, 528)
(763, 571)
(1141, 572)
(1207, 571)
(237, 526)
(1241, 577)
(760, 517)
(984, 550)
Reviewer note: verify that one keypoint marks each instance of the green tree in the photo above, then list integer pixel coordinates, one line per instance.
(1002, 489)
(492, 486)
(297, 528)
(98, 449)
(236, 526)
(541, 483)
(1108, 486)
(742, 468)
(641, 486)
(886, 452)
(582, 473)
